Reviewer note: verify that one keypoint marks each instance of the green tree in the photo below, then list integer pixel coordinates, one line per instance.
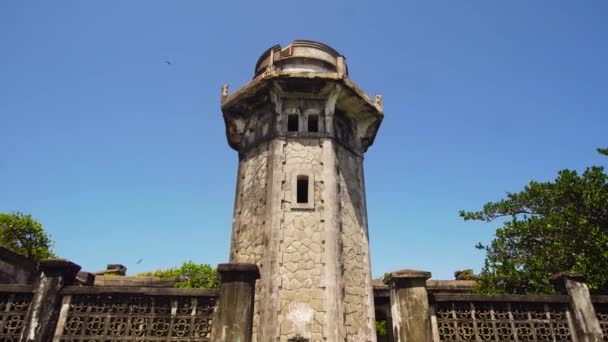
(381, 328)
(189, 275)
(466, 274)
(23, 235)
(547, 228)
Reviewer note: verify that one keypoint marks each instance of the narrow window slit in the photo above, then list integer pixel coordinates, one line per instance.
(313, 123)
(292, 123)
(302, 188)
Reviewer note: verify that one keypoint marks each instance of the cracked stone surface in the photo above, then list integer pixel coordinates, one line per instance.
(312, 250)
(355, 248)
(302, 266)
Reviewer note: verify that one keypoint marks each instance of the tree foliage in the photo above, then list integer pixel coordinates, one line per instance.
(548, 228)
(23, 235)
(189, 275)
(466, 274)
(381, 329)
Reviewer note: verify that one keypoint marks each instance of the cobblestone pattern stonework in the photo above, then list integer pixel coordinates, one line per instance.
(304, 290)
(248, 227)
(355, 248)
(301, 246)
(302, 260)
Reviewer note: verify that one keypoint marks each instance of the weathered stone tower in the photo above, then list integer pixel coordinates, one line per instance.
(301, 127)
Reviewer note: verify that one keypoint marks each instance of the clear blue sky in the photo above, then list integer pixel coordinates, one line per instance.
(123, 157)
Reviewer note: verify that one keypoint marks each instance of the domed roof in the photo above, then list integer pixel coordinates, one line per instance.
(301, 55)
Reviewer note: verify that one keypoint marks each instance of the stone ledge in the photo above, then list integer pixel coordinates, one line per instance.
(560, 280)
(433, 286)
(408, 274)
(455, 286)
(60, 268)
(556, 278)
(465, 297)
(85, 278)
(148, 281)
(133, 290)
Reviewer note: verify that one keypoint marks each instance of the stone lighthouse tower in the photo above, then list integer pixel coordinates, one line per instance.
(301, 127)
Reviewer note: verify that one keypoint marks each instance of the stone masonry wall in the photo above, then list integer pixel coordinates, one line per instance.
(356, 271)
(248, 223)
(301, 246)
(247, 242)
(320, 282)
(314, 256)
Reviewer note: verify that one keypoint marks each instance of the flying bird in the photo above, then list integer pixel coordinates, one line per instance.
(168, 62)
(140, 260)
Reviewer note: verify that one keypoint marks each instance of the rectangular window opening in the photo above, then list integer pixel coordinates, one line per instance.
(292, 123)
(313, 123)
(302, 188)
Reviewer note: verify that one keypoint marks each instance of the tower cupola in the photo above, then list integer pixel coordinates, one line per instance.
(313, 70)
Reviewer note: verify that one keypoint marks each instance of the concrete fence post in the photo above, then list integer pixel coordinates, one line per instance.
(234, 315)
(585, 321)
(46, 302)
(410, 306)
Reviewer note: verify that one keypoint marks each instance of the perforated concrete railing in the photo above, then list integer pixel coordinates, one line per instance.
(15, 302)
(600, 304)
(151, 314)
(459, 317)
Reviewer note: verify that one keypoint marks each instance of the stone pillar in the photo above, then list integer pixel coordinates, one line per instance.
(46, 303)
(410, 306)
(234, 315)
(585, 321)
